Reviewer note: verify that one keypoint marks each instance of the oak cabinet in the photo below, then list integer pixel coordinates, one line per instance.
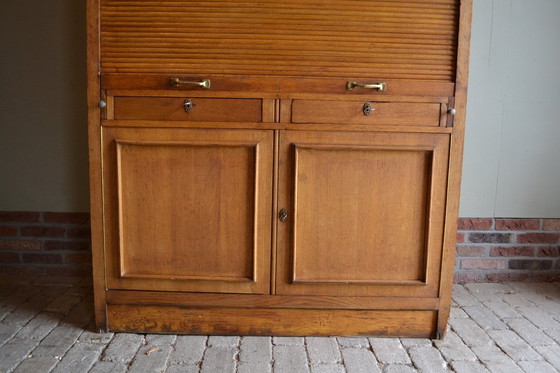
(275, 168)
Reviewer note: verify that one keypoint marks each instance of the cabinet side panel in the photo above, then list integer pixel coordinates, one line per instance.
(94, 140)
(455, 166)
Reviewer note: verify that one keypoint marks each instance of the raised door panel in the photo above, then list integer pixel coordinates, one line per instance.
(188, 210)
(365, 213)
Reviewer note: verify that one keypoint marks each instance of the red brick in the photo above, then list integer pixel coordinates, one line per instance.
(517, 224)
(67, 245)
(513, 251)
(474, 224)
(490, 237)
(82, 232)
(78, 218)
(42, 231)
(19, 217)
(20, 245)
(551, 224)
(21, 270)
(523, 276)
(8, 231)
(83, 271)
(482, 264)
(42, 258)
(533, 265)
(504, 277)
(460, 237)
(463, 278)
(9, 258)
(550, 251)
(80, 258)
(538, 238)
(470, 251)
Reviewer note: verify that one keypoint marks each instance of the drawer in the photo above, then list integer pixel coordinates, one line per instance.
(380, 113)
(194, 109)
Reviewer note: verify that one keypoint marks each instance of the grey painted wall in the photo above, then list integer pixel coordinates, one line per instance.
(513, 126)
(511, 162)
(43, 137)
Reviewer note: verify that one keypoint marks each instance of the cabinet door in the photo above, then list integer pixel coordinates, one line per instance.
(187, 210)
(365, 213)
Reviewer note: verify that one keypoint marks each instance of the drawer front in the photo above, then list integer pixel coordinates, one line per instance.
(366, 112)
(193, 109)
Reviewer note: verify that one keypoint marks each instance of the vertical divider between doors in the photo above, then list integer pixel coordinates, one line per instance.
(274, 228)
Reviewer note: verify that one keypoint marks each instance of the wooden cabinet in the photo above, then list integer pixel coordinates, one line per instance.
(270, 168)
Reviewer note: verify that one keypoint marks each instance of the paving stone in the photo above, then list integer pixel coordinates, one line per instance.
(152, 357)
(89, 336)
(322, 350)
(353, 342)
(359, 360)
(59, 340)
(80, 358)
(255, 350)
(463, 297)
(219, 359)
(287, 341)
(502, 309)
(7, 332)
(495, 360)
(537, 367)
(399, 368)
(62, 304)
(184, 369)
(219, 341)
(14, 351)
(539, 317)
(485, 318)
(122, 348)
(470, 332)
(389, 351)
(427, 360)
(188, 349)
(37, 364)
(488, 291)
(81, 315)
(244, 367)
(552, 333)
(453, 348)
(457, 313)
(416, 342)
(290, 359)
(108, 367)
(529, 332)
(468, 367)
(15, 299)
(513, 345)
(39, 326)
(516, 300)
(327, 368)
(550, 354)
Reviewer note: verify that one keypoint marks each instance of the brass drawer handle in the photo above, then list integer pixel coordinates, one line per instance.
(381, 87)
(175, 82)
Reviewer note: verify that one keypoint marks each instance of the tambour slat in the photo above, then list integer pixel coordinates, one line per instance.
(392, 39)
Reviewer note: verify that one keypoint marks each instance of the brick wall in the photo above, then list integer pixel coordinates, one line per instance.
(45, 243)
(487, 249)
(497, 250)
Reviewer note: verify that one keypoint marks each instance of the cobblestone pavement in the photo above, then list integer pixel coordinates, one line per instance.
(46, 326)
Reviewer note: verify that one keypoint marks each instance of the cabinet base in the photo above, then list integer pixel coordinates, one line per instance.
(264, 322)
